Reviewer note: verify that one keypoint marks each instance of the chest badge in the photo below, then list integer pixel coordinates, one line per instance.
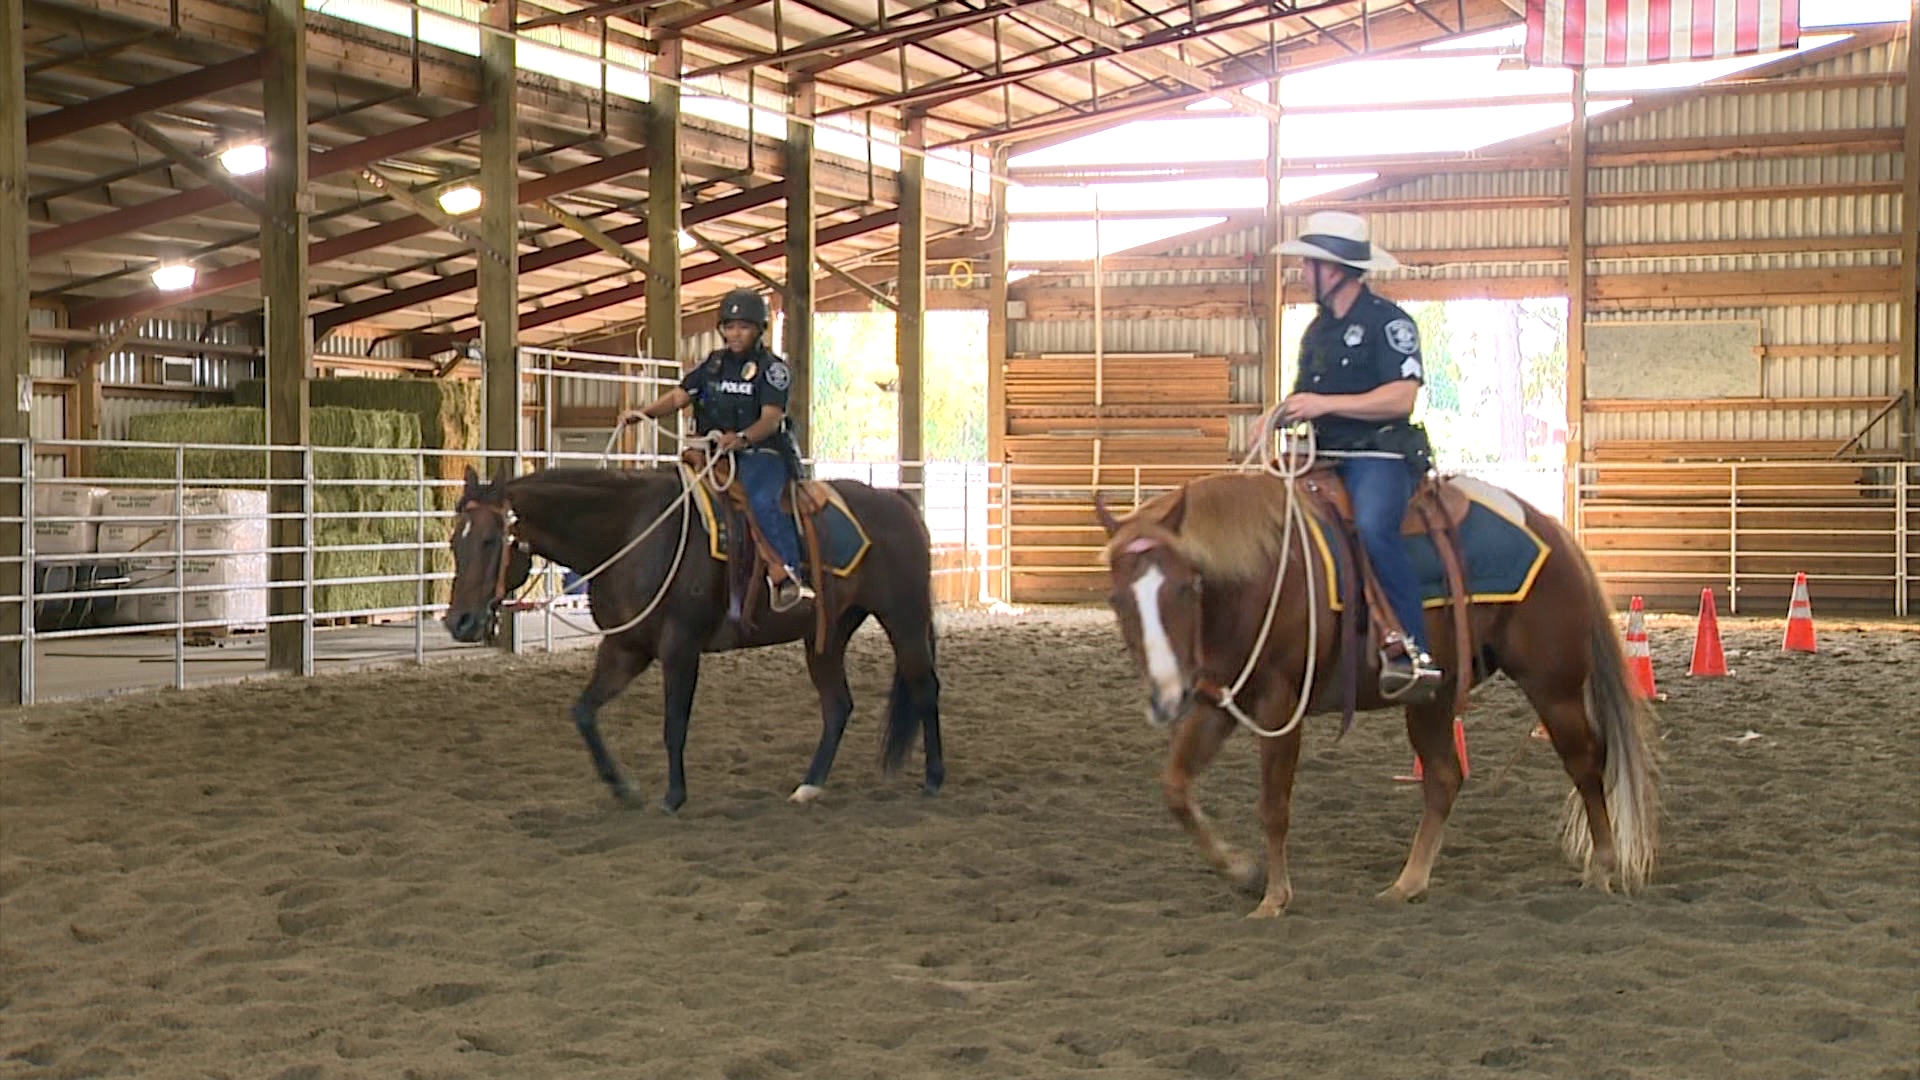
(746, 373)
(1355, 334)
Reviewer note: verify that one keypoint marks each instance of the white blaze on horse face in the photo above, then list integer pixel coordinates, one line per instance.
(1162, 666)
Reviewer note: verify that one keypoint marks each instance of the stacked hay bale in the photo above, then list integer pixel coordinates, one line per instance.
(448, 411)
(380, 483)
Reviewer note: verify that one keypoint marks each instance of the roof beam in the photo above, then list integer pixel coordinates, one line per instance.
(199, 83)
(591, 233)
(713, 11)
(1150, 61)
(339, 247)
(867, 36)
(596, 11)
(453, 284)
(159, 211)
(425, 208)
(198, 166)
(586, 305)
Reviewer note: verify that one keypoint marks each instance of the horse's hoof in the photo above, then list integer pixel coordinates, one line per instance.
(930, 788)
(1268, 909)
(1394, 894)
(805, 793)
(625, 793)
(1246, 873)
(669, 805)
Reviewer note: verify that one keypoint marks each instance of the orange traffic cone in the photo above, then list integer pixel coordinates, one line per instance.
(1708, 659)
(1639, 654)
(1799, 619)
(1459, 750)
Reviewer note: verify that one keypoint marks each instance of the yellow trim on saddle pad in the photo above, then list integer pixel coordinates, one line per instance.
(703, 498)
(1526, 585)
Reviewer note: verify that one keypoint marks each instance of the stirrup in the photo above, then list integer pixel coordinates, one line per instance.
(1410, 676)
(788, 594)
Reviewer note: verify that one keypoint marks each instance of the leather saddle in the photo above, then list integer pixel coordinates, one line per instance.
(1436, 509)
(749, 555)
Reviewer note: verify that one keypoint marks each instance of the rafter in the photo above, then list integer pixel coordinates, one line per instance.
(1149, 61)
(199, 200)
(199, 83)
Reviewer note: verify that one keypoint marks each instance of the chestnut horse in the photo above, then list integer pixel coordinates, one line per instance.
(1193, 579)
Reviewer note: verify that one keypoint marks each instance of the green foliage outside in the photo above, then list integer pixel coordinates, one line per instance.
(856, 404)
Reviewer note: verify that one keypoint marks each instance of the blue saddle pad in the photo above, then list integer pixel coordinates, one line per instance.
(843, 542)
(1502, 559)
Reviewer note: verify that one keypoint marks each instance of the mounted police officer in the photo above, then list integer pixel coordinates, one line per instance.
(739, 395)
(1360, 375)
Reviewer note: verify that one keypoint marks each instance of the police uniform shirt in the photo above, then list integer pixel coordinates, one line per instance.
(1376, 344)
(729, 389)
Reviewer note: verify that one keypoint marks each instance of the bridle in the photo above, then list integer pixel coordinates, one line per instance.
(508, 543)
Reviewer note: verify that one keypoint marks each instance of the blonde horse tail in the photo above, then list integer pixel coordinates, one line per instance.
(1624, 725)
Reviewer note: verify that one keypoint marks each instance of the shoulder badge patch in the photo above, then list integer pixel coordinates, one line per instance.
(746, 373)
(1355, 335)
(779, 375)
(1403, 336)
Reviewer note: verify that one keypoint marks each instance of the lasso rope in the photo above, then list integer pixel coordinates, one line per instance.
(683, 502)
(1282, 466)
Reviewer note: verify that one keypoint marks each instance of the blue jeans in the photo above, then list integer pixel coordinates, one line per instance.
(765, 474)
(1380, 489)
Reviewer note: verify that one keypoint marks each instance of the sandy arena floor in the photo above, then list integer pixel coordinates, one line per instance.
(414, 874)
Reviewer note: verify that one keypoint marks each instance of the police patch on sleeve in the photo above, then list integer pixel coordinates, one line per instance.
(779, 375)
(1403, 336)
(1410, 369)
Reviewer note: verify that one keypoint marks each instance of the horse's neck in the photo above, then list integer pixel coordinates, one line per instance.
(579, 529)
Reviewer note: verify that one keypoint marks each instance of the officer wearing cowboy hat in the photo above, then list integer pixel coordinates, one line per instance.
(1360, 375)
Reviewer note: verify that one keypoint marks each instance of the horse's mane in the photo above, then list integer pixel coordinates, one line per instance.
(1230, 525)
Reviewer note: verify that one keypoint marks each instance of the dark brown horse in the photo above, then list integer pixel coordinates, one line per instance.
(1193, 577)
(581, 518)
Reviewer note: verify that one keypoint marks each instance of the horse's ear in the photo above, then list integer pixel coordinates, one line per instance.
(1176, 512)
(473, 480)
(1107, 520)
(500, 475)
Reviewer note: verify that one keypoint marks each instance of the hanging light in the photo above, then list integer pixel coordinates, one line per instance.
(464, 199)
(174, 277)
(245, 159)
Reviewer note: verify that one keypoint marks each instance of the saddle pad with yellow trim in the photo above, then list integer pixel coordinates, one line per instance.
(1502, 557)
(843, 541)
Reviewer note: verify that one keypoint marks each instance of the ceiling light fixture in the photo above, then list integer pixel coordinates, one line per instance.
(464, 199)
(174, 277)
(244, 160)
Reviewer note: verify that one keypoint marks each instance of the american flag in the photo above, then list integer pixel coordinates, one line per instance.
(1623, 33)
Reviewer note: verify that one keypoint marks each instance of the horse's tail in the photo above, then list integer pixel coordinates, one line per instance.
(907, 716)
(903, 717)
(1623, 723)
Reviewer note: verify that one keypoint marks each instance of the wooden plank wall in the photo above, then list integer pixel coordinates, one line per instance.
(1154, 421)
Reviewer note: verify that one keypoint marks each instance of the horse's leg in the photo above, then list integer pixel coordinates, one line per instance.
(1278, 758)
(914, 702)
(1430, 730)
(828, 668)
(1563, 710)
(680, 668)
(1195, 742)
(615, 665)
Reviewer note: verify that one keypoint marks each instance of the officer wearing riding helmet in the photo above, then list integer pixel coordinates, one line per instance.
(739, 396)
(1360, 375)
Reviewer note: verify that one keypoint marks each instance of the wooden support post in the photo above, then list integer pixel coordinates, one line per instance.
(910, 321)
(289, 344)
(1910, 246)
(499, 279)
(16, 373)
(997, 375)
(1273, 271)
(1576, 295)
(801, 250)
(663, 216)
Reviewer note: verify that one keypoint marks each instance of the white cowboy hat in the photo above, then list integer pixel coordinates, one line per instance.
(1339, 237)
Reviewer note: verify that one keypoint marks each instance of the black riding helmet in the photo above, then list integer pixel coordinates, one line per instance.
(744, 305)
